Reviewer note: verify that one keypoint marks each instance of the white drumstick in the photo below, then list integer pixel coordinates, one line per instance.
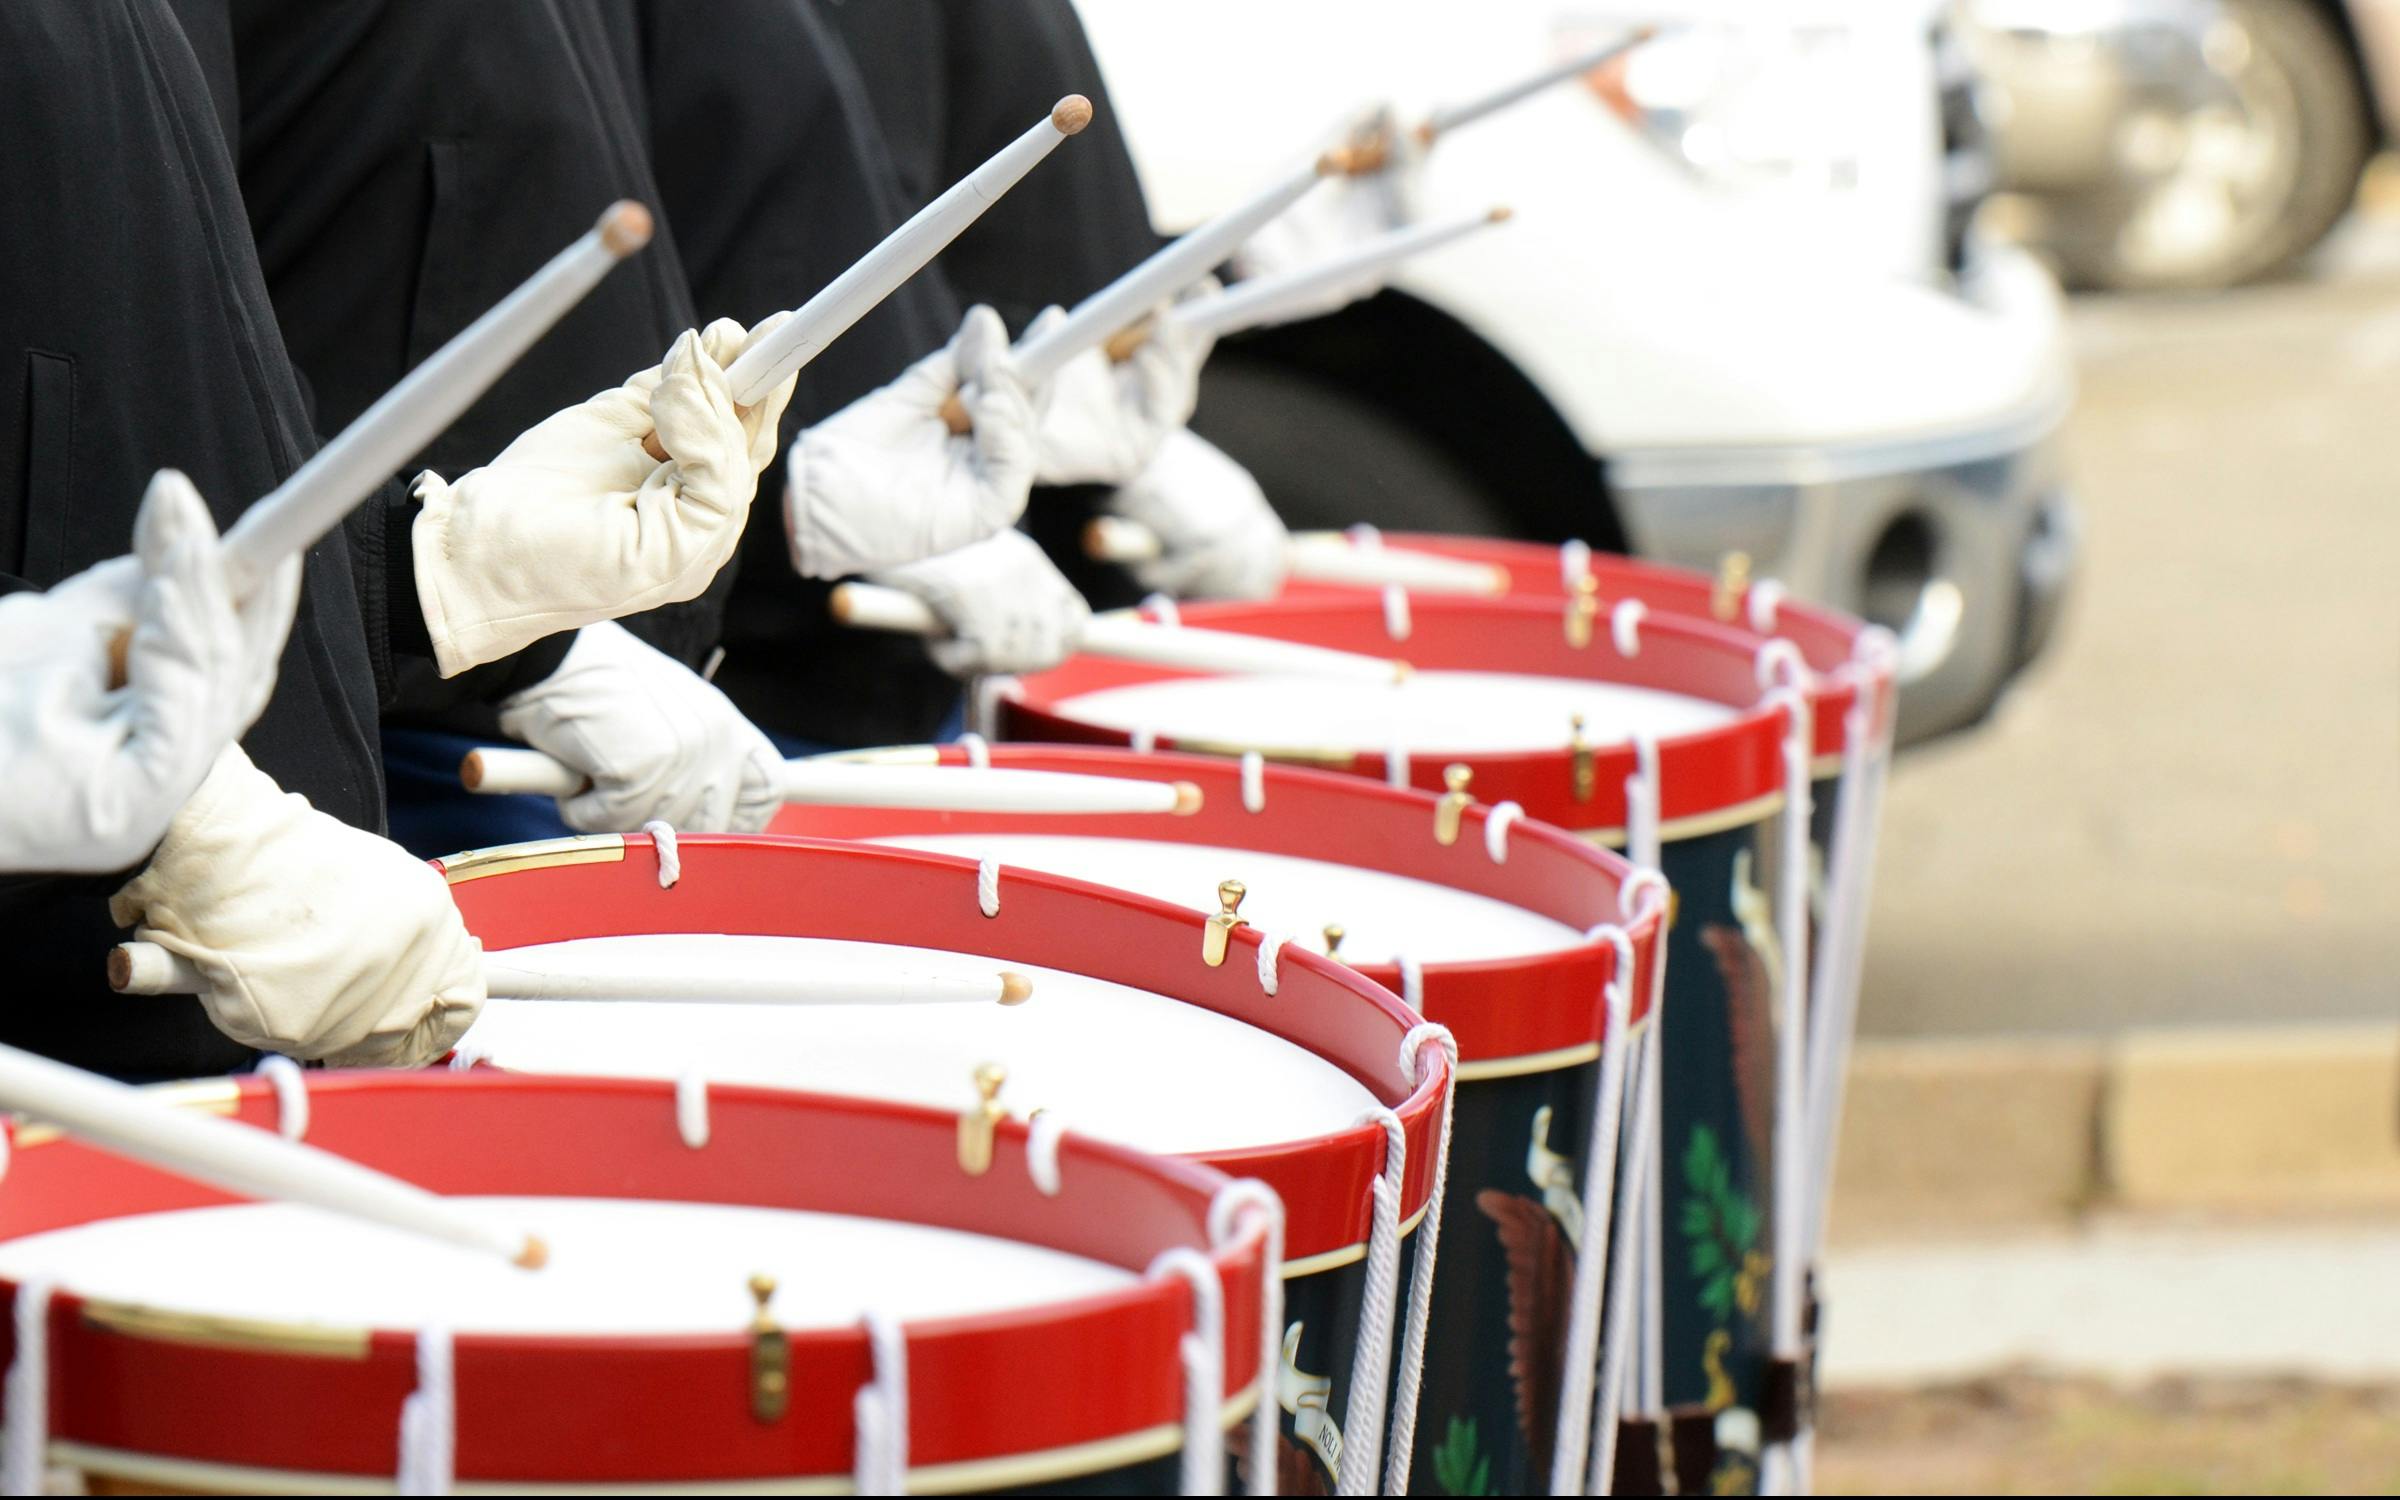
(932, 788)
(1265, 300)
(1442, 121)
(1320, 557)
(148, 969)
(904, 252)
(1128, 638)
(1125, 301)
(291, 518)
(241, 1158)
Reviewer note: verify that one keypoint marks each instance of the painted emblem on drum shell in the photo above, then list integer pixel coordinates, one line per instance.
(1539, 1237)
(1309, 1399)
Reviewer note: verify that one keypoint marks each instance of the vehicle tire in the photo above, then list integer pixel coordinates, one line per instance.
(1328, 459)
(2296, 95)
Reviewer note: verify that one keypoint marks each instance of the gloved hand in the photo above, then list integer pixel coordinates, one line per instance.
(1008, 608)
(1102, 420)
(574, 522)
(655, 738)
(1220, 537)
(94, 773)
(318, 940)
(884, 481)
(1343, 213)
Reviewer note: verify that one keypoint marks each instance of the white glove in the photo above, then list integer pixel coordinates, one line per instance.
(1007, 607)
(1343, 214)
(575, 523)
(92, 774)
(656, 739)
(1220, 537)
(884, 481)
(318, 940)
(1102, 420)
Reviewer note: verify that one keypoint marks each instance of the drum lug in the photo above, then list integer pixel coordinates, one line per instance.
(770, 1357)
(1333, 939)
(1454, 804)
(1218, 934)
(977, 1126)
(1733, 581)
(1586, 769)
(1583, 608)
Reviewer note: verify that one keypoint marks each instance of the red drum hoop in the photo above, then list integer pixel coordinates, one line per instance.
(607, 886)
(1500, 1010)
(1727, 770)
(1047, 1390)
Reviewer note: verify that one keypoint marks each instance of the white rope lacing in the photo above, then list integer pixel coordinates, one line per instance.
(1164, 608)
(1395, 763)
(291, 1094)
(1402, 1452)
(1254, 782)
(467, 1055)
(987, 885)
(879, 1463)
(1203, 1369)
(1270, 955)
(26, 1434)
(1643, 891)
(691, 1109)
(1396, 621)
(1625, 626)
(1778, 1465)
(1370, 1368)
(1496, 824)
(1043, 1133)
(987, 697)
(1364, 537)
(1412, 982)
(1574, 563)
(1145, 740)
(429, 1420)
(1250, 1201)
(1779, 664)
(8, 1147)
(1766, 598)
(1573, 1442)
(670, 858)
(1641, 803)
(1625, 1261)
(978, 749)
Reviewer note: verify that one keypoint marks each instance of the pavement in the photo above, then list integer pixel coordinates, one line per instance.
(2190, 811)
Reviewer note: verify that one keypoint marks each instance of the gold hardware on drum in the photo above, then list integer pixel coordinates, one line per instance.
(770, 1356)
(1584, 771)
(1219, 932)
(1582, 610)
(1454, 804)
(977, 1126)
(1334, 934)
(1733, 581)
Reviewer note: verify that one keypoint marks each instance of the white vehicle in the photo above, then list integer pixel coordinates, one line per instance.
(1740, 305)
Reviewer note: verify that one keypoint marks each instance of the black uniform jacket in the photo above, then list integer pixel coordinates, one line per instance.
(135, 334)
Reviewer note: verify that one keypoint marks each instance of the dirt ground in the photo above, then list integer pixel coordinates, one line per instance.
(2027, 1434)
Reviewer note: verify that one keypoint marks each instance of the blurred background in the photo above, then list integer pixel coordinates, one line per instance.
(2063, 338)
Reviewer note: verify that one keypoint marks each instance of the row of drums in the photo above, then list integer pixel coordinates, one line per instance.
(1536, 968)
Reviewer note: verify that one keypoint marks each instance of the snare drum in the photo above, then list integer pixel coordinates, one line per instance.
(1497, 927)
(800, 1292)
(1294, 1069)
(1691, 741)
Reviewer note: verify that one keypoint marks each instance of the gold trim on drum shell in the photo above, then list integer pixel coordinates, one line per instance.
(1700, 825)
(538, 854)
(218, 1096)
(168, 1326)
(1530, 1062)
(1332, 1260)
(1022, 1470)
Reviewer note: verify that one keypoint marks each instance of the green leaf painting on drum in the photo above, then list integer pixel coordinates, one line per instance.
(1721, 1232)
(1459, 1466)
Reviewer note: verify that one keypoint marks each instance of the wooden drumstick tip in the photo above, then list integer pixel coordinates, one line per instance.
(1501, 213)
(1401, 671)
(470, 771)
(954, 416)
(1071, 114)
(535, 1255)
(625, 228)
(120, 652)
(1188, 799)
(1125, 343)
(1015, 988)
(120, 968)
(652, 446)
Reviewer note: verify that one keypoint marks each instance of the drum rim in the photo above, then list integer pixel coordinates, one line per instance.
(1191, 1187)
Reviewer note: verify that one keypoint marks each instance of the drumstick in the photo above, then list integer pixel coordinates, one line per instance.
(1320, 557)
(297, 512)
(1113, 315)
(904, 252)
(1266, 300)
(1128, 638)
(1442, 121)
(995, 789)
(148, 969)
(242, 1158)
